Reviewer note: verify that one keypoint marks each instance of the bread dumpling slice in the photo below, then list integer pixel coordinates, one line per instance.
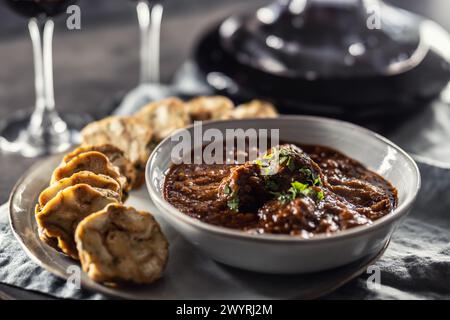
(255, 109)
(94, 180)
(59, 218)
(164, 117)
(210, 108)
(115, 155)
(130, 134)
(121, 244)
(92, 161)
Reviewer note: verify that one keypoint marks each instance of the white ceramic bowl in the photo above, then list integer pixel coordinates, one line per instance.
(284, 253)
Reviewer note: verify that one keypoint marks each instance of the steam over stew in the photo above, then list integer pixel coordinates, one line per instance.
(303, 191)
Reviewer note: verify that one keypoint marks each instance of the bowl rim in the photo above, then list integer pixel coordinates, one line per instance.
(390, 218)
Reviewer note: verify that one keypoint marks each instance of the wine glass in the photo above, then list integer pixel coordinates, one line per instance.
(42, 132)
(149, 13)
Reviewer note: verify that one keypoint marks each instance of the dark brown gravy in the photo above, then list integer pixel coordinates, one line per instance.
(344, 194)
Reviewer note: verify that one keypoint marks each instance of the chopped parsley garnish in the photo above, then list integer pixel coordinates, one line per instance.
(320, 195)
(317, 181)
(290, 164)
(286, 157)
(233, 204)
(310, 177)
(227, 189)
(298, 189)
(281, 156)
(259, 162)
(306, 172)
(285, 197)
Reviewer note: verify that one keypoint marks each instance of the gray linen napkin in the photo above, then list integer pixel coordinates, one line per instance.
(18, 270)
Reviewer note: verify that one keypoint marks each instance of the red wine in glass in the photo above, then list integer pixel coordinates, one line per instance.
(42, 132)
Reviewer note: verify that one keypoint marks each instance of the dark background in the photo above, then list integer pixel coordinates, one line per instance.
(95, 64)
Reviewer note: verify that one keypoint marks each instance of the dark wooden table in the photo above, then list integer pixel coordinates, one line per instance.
(96, 63)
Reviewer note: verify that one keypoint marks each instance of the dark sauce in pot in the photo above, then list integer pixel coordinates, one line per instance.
(316, 190)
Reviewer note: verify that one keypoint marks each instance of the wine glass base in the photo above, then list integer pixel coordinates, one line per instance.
(15, 137)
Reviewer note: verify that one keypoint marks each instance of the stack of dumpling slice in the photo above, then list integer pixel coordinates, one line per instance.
(114, 243)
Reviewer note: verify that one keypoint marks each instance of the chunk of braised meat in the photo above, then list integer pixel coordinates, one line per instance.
(366, 191)
(370, 200)
(282, 165)
(295, 217)
(249, 185)
(303, 216)
(243, 188)
(340, 215)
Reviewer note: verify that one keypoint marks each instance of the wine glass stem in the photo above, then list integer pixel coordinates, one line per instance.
(150, 18)
(45, 121)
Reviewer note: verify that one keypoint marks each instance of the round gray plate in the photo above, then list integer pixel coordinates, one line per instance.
(189, 274)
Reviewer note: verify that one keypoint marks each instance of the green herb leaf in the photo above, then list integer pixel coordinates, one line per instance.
(299, 189)
(306, 172)
(290, 164)
(284, 197)
(320, 195)
(310, 176)
(227, 189)
(233, 204)
(317, 182)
